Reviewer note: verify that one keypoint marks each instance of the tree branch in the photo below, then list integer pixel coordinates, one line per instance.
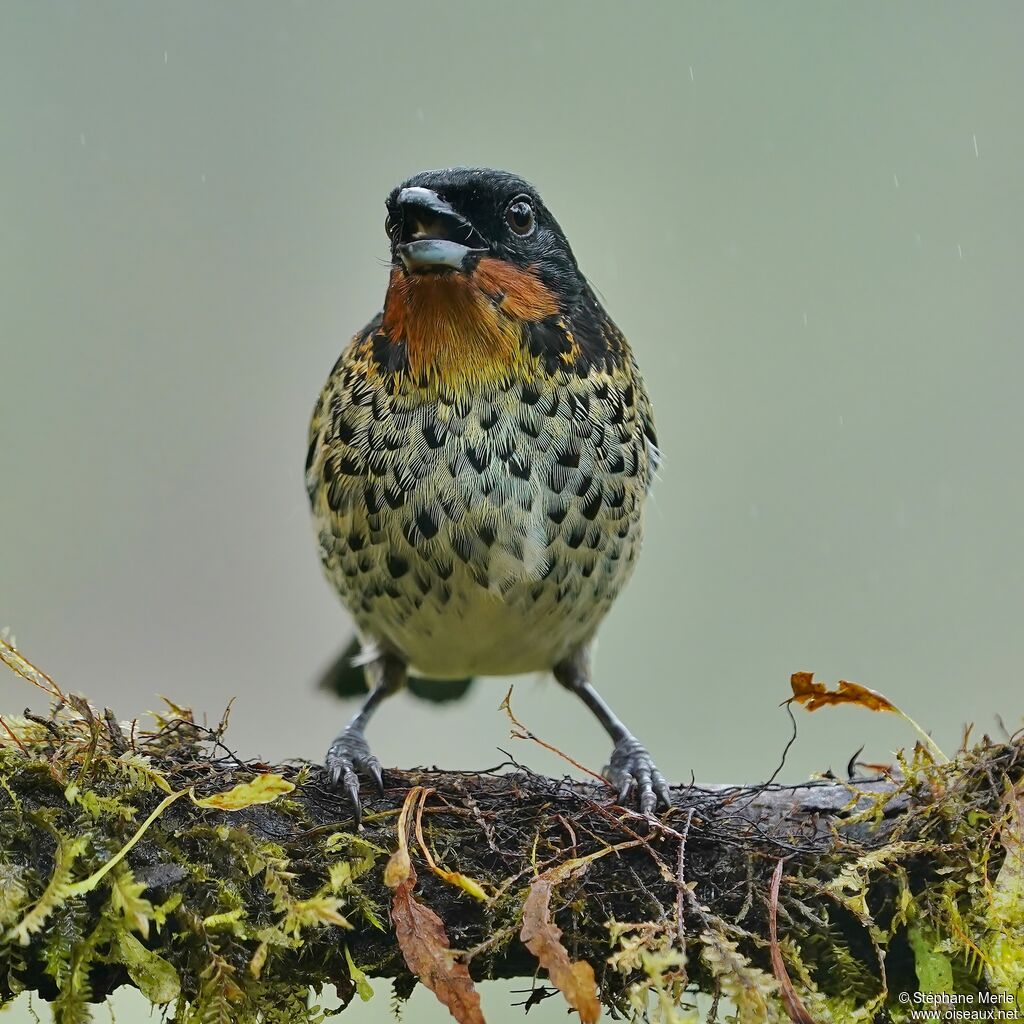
(883, 881)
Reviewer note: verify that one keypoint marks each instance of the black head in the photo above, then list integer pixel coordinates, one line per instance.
(446, 220)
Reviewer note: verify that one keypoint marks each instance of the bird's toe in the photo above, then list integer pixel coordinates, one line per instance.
(632, 771)
(348, 757)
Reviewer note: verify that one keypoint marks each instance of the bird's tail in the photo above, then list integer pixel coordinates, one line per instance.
(345, 678)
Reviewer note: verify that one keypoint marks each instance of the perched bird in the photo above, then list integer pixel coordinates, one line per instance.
(478, 462)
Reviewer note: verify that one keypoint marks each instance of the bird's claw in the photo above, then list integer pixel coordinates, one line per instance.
(632, 769)
(348, 757)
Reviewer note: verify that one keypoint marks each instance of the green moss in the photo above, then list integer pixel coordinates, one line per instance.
(239, 901)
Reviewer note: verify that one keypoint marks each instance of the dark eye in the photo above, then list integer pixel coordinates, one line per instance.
(519, 215)
(389, 225)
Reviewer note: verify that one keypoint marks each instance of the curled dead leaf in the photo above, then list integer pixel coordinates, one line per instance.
(543, 938)
(456, 878)
(814, 695)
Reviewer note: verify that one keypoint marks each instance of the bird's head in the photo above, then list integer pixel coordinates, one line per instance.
(478, 267)
(452, 221)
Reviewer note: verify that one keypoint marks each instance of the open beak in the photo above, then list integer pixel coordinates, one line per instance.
(433, 237)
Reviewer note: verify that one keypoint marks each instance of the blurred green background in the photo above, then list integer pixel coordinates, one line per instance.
(807, 218)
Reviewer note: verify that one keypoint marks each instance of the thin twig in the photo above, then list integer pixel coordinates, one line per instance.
(681, 880)
(526, 734)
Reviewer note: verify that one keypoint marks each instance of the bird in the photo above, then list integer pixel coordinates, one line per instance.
(478, 465)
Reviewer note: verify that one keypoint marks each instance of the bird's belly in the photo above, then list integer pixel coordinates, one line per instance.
(478, 632)
(501, 615)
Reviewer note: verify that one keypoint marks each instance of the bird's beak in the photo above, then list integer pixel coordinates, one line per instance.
(433, 236)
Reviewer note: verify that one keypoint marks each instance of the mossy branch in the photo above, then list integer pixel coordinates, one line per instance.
(895, 884)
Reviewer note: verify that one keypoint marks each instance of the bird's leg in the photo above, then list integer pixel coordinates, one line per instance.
(631, 767)
(350, 754)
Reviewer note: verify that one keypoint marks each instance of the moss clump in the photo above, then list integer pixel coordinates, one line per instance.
(113, 872)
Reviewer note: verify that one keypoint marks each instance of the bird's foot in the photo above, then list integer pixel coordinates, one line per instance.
(348, 757)
(632, 769)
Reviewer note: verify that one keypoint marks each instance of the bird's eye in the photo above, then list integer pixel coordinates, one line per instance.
(519, 215)
(389, 225)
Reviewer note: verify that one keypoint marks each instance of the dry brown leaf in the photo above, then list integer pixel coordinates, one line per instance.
(427, 952)
(421, 935)
(542, 937)
(814, 695)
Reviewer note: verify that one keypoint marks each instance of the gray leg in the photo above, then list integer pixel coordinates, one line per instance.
(350, 752)
(631, 767)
